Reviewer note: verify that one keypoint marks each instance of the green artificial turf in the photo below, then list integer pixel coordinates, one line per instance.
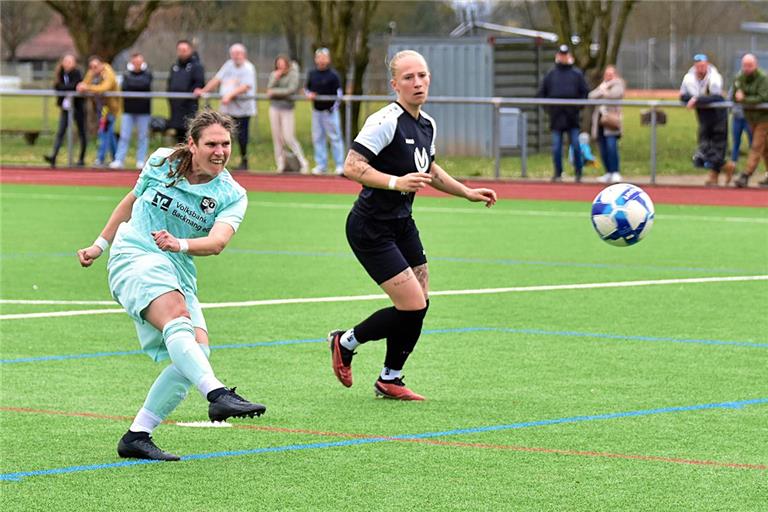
(549, 365)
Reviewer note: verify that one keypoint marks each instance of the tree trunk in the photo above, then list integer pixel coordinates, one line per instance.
(104, 28)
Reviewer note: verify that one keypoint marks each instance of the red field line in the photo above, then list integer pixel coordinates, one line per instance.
(507, 189)
(433, 442)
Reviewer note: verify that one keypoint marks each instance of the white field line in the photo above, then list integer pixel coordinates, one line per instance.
(351, 298)
(418, 209)
(59, 302)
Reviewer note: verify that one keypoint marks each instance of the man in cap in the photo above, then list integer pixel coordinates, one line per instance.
(701, 86)
(564, 81)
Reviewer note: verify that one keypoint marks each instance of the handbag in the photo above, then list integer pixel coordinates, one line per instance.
(610, 121)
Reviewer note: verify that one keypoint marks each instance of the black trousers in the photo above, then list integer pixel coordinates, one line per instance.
(242, 134)
(79, 115)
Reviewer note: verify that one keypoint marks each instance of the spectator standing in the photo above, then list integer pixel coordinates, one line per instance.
(739, 126)
(136, 112)
(701, 86)
(326, 123)
(564, 81)
(751, 88)
(187, 74)
(100, 78)
(236, 80)
(67, 76)
(283, 84)
(607, 123)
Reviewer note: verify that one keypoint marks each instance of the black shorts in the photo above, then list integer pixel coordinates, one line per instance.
(385, 247)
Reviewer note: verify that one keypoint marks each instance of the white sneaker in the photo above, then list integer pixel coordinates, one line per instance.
(139, 164)
(616, 177)
(605, 178)
(318, 170)
(339, 170)
(116, 164)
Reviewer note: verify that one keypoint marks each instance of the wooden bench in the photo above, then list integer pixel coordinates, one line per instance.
(30, 136)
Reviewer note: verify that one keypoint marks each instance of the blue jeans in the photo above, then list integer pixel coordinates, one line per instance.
(326, 123)
(107, 139)
(127, 121)
(739, 126)
(609, 152)
(557, 150)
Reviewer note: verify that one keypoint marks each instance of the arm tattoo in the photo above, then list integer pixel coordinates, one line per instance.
(358, 162)
(436, 174)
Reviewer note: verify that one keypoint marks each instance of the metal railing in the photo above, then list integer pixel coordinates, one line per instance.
(496, 102)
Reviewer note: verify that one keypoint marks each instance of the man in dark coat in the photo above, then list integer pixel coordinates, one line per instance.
(187, 74)
(564, 81)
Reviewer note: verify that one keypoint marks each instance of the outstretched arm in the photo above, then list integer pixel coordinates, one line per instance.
(444, 182)
(121, 213)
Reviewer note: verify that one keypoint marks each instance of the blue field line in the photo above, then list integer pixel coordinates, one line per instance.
(457, 330)
(485, 261)
(496, 261)
(738, 404)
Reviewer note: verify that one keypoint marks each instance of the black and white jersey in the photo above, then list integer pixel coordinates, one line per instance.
(394, 143)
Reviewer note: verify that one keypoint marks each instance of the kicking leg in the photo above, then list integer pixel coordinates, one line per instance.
(169, 314)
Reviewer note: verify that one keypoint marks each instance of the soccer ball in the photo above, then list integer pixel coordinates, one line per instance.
(622, 214)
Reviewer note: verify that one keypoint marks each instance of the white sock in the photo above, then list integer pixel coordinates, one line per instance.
(187, 355)
(387, 374)
(145, 421)
(348, 340)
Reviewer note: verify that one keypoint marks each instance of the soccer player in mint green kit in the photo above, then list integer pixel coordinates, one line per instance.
(185, 203)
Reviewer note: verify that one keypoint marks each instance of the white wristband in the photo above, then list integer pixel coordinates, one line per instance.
(392, 183)
(101, 243)
(183, 245)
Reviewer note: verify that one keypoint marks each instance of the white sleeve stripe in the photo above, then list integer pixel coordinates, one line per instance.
(379, 129)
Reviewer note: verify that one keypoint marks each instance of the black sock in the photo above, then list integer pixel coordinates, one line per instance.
(377, 326)
(403, 339)
(132, 436)
(216, 393)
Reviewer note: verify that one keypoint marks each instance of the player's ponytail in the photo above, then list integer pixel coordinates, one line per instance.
(181, 158)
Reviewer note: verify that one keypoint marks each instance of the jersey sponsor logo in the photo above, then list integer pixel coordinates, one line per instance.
(162, 201)
(208, 205)
(421, 159)
(410, 141)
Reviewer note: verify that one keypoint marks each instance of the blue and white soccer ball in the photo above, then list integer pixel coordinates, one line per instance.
(622, 214)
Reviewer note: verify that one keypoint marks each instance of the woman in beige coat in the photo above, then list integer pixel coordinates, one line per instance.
(283, 85)
(606, 123)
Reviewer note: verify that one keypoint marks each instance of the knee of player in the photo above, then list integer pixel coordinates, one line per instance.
(179, 310)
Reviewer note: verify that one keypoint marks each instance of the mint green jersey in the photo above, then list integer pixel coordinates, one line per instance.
(184, 210)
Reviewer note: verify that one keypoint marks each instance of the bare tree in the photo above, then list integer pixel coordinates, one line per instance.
(19, 21)
(600, 22)
(343, 27)
(104, 28)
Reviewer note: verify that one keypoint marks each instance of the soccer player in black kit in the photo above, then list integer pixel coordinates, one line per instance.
(393, 157)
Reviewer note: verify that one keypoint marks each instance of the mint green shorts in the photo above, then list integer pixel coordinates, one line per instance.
(135, 280)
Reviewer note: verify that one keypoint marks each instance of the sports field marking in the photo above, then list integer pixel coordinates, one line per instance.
(434, 442)
(418, 209)
(33, 302)
(500, 211)
(539, 332)
(451, 259)
(739, 404)
(354, 298)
